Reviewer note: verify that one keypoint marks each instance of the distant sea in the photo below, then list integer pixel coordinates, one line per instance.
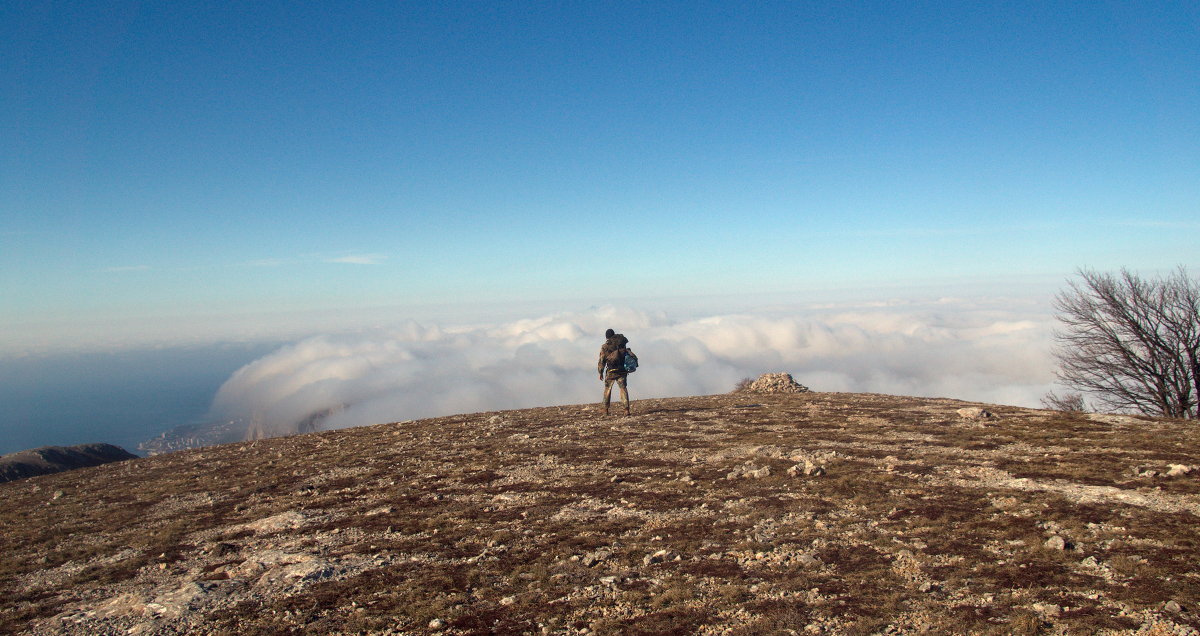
(120, 398)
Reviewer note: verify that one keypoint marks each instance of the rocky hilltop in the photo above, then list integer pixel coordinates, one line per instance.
(746, 513)
(54, 459)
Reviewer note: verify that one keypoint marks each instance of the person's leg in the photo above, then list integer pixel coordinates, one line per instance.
(608, 382)
(624, 394)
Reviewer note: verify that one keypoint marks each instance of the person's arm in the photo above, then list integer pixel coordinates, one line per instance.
(600, 365)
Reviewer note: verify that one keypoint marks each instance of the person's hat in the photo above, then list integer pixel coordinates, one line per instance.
(610, 333)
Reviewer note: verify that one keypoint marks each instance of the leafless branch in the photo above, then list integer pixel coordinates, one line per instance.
(1132, 344)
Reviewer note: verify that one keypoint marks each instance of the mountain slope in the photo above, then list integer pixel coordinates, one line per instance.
(53, 459)
(813, 512)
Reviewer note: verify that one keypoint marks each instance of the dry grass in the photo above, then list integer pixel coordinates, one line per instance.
(484, 523)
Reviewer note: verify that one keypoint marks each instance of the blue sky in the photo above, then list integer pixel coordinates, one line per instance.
(167, 167)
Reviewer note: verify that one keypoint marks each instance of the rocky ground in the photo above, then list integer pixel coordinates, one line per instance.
(807, 513)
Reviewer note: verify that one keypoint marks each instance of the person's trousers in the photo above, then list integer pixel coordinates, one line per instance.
(617, 378)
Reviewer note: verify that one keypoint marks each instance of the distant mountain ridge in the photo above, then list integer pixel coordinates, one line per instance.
(55, 459)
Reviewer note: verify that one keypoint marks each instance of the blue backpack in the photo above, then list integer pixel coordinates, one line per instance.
(630, 362)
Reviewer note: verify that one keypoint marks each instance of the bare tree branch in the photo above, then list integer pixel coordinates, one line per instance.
(1132, 344)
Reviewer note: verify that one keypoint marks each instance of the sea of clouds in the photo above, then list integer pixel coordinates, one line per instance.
(993, 351)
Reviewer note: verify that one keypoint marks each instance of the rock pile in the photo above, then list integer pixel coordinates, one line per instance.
(776, 383)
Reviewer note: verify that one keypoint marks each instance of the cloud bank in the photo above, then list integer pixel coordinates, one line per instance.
(987, 352)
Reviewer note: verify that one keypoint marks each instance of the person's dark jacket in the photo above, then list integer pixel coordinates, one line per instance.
(607, 359)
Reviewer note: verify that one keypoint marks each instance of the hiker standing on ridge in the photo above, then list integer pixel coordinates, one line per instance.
(615, 364)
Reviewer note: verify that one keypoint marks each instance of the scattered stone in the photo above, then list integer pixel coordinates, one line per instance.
(1171, 607)
(1048, 609)
(925, 587)
(1057, 543)
(807, 560)
(592, 558)
(283, 521)
(508, 600)
(775, 383)
(749, 471)
(661, 556)
(974, 413)
(1175, 470)
(809, 468)
(437, 623)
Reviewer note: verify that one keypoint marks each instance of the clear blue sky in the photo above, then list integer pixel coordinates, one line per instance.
(162, 162)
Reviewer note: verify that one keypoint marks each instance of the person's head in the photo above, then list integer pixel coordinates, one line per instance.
(610, 333)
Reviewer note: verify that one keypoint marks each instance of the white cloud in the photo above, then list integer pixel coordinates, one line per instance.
(985, 351)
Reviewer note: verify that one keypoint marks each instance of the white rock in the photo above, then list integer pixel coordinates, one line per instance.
(1175, 470)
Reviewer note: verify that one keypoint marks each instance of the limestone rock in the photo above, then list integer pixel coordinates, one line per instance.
(593, 558)
(776, 383)
(661, 556)
(974, 413)
(1176, 470)
(1057, 543)
(749, 471)
(808, 468)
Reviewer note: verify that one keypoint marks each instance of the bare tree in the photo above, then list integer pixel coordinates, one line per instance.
(1071, 402)
(1132, 344)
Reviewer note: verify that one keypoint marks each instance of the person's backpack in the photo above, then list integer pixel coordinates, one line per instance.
(616, 360)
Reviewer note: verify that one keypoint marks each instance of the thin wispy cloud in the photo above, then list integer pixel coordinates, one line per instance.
(359, 259)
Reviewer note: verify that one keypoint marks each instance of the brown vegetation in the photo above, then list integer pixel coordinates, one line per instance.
(808, 512)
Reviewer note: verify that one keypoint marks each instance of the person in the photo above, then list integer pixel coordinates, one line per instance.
(611, 367)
